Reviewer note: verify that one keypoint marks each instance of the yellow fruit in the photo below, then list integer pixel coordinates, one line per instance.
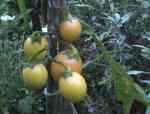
(70, 30)
(36, 77)
(57, 69)
(31, 49)
(73, 88)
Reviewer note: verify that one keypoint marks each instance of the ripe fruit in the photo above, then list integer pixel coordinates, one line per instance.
(70, 30)
(36, 77)
(64, 57)
(33, 48)
(73, 87)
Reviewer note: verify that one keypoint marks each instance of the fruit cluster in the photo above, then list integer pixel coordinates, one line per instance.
(65, 66)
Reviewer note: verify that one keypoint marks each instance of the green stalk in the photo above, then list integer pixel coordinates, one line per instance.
(126, 89)
(74, 52)
(67, 70)
(24, 11)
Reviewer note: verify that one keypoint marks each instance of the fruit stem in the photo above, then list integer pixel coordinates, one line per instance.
(67, 70)
(36, 54)
(59, 63)
(74, 52)
(66, 15)
(36, 36)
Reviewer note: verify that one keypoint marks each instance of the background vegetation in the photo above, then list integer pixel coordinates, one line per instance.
(122, 25)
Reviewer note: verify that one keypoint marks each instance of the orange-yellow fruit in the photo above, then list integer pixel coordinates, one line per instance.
(36, 77)
(57, 69)
(73, 88)
(31, 49)
(70, 30)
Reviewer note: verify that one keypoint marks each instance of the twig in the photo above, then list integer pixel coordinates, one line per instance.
(74, 109)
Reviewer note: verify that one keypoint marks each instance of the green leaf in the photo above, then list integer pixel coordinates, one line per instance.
(23, 10)
(84, 6)
(126, 89)
(123, 2)
(25, 105)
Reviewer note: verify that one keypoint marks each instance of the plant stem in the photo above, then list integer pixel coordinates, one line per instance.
(67, 70)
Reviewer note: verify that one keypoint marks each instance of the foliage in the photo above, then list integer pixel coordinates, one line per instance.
(122, 25)
(126, 90)
(115, 26)
(13, 95)
(10, 60)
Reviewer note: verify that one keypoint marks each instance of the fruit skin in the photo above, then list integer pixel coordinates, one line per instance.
(73, 88)
(36, 77)
(57, 69)
(31, 49)
(70, 30)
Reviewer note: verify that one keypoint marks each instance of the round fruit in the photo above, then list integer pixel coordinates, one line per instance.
(36, 77)
(70, 30)
(73, 88)
(57, 69)
(33, 48)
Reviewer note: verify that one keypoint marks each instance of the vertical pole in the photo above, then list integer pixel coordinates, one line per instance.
(55, 104)
(35, 5)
